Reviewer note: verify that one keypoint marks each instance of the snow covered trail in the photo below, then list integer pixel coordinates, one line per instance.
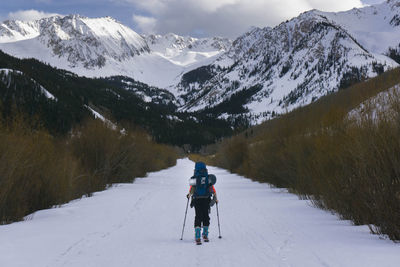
(140, 224)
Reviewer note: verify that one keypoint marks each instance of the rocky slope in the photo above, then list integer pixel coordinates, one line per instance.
(278, 69)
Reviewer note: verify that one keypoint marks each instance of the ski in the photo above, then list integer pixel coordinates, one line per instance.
(198, 241)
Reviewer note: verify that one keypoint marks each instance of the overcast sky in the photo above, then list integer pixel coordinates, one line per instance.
(198, 18)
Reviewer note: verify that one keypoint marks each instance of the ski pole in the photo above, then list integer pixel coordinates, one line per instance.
(184, 220)
(219, 227)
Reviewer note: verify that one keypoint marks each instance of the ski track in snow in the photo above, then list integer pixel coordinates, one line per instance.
(140, 224)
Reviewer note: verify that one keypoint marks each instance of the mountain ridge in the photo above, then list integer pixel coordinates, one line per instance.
(295, 62)
(266, 71)
(100, 47)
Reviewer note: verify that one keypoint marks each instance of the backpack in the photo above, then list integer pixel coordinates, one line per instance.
(202, 181)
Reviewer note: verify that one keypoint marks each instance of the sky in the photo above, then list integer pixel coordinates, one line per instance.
(198, 18)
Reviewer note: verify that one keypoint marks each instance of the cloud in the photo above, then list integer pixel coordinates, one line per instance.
(145, 24)
(27, 15)
(224, 17)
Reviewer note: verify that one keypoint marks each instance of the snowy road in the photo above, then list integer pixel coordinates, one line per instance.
(140, 224)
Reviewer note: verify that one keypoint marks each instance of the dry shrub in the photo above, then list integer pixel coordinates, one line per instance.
(209, 159)
(38, 171)
(34, 173)
(232, 154)
(347, 165)
(110, 156)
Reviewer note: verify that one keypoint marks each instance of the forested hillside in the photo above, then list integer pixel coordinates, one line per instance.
(120, 99)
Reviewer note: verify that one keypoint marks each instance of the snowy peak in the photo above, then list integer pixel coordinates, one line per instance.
(172, 41)
(275, 70)
(376, 27)
(184, 50)
(80, 40)
(15, 30)
(104, 47)
(91, 41)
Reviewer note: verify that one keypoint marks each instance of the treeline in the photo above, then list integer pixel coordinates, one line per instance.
(346, 164)
(38, 170)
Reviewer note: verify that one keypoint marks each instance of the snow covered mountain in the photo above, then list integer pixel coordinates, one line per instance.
(11, 31)
(186, 50)
(274, 70)
(78, 40)
(104, 47)
(263, 72)
(375, 27)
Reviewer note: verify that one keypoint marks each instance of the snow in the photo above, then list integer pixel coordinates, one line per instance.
(173, 118)
(370, 25)
(48, 94)
(18, 30)
(377, 105)
(96, 114)
(147, 99)
(102, 118)
(154, 68)
(8, 71)
(113, 33)
(186, 51)
(140, 224)
(156, 60)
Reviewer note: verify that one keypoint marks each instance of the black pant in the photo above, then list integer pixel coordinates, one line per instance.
(201, 206)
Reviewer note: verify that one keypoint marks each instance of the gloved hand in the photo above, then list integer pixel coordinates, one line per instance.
(187, 196)
(212, 202)
(215, 199)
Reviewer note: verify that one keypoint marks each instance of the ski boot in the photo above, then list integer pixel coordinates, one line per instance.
(197, 235)
(205, 234)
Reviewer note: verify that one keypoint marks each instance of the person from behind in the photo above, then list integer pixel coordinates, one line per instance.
(203, 195)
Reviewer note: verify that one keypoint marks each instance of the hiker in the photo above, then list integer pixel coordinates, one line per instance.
(203, 196)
